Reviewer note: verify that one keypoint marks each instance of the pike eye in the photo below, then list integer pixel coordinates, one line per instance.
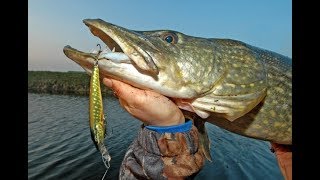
(169, 38)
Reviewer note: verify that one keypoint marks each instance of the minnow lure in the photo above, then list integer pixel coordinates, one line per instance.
(96, 117)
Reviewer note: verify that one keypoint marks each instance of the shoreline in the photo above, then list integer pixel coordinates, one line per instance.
(66, 83)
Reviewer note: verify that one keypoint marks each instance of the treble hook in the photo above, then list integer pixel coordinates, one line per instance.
(99, 48)
(96, 61)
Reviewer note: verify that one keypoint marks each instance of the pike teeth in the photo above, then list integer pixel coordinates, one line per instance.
(107, 49)
(114, 49)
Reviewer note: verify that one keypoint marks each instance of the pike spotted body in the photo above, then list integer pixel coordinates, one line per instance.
(244, 89)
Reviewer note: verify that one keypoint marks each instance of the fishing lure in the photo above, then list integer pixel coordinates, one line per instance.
(96, 117)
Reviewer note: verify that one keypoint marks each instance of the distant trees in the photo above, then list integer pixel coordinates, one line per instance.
(72, 82)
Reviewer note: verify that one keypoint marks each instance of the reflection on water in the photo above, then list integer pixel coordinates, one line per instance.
(60, 146)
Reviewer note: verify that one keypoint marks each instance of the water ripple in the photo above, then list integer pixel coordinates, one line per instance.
(60, 145)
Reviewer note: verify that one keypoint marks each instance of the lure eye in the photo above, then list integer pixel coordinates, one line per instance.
(170, 38)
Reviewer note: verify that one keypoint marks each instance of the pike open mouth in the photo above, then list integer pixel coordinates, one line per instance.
(120, 40)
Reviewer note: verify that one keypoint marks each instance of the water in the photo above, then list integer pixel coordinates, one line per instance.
(60, 146)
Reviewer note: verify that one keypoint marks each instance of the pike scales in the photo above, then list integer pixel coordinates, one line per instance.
(236, 86)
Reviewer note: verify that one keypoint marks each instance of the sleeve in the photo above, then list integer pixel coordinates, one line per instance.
(163, 153)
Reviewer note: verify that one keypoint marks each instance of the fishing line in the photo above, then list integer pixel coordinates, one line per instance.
(107, 164)
(104, 174)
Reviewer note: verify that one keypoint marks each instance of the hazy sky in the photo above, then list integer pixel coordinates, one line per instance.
(56, 23)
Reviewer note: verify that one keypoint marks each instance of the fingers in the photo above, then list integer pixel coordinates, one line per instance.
(120, 88)
(147, 106)
(107, 82)
(124, 91)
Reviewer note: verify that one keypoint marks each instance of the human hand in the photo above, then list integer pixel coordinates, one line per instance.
(148, 106)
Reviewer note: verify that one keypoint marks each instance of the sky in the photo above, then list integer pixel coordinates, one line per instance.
(53, 24)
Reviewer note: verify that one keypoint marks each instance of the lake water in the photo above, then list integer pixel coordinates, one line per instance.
(60, 146)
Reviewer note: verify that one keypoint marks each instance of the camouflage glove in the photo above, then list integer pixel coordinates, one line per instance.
(163, 153)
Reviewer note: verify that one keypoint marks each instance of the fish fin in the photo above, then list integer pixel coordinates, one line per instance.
(204, 141)
(183, 104)
(202, 114)
(186, 105)
(229, 107)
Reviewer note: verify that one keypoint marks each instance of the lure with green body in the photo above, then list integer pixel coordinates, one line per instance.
(96, 120)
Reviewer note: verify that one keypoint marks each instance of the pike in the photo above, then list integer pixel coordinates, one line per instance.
(236, 86)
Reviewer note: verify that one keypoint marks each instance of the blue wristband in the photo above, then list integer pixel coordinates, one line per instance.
(172, 129)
